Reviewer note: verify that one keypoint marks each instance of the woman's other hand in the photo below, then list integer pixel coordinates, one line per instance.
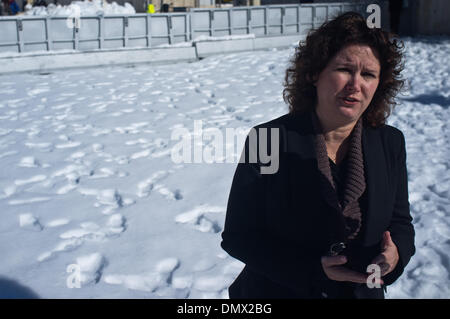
(334, 269)
(388, 258)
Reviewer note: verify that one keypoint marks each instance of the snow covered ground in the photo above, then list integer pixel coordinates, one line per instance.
(87, 180)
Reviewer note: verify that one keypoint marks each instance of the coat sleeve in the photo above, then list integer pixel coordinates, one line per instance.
(401, 228)
(246, 236)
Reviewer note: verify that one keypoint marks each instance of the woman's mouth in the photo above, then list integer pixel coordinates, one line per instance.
(349, 100)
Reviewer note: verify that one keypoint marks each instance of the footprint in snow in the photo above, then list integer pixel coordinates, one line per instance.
(29, 222)
(147, 185)
(200, 218)
(91, 268)
(29, 161)
(88, 231)
(159, 279)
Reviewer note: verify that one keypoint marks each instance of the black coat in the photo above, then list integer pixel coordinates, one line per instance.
(279, 224)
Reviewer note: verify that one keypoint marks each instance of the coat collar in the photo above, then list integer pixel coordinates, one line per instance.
(300, 141)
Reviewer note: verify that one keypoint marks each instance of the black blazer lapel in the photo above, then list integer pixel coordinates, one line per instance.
(377, 183)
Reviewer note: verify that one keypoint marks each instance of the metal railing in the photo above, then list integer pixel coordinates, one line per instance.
(45, 33)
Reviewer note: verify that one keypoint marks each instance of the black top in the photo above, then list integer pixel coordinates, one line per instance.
(339, 174)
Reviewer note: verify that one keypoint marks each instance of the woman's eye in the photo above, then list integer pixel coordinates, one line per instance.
(369, 75)
(344, 69)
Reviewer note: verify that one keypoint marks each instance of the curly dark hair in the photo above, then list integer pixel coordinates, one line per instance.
(321, 45)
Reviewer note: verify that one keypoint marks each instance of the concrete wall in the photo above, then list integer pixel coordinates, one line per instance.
(48, 61)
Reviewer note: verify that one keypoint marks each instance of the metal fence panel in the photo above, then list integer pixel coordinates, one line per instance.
(221, 23)
(239, 20)
(134, 43)
(14, 48)
(274, 20)
(29, 47)
(63, 45)
(9, 36)
(34, 30)
(306, 19)
(59, 30)
(334, 11)
(137, 26)
(160, 30)
(20, 34)
(179, 29)
(112, 44)
(291, 20)
(258, 21)
(88, 45)
(320, 15)
(137, 31)
(90, 29)
(8, 32)
(160, 26)
(62, 36)
(89, 34)
(201, 23)
(113, 27)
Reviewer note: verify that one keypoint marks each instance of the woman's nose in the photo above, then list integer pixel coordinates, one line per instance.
(354, 83)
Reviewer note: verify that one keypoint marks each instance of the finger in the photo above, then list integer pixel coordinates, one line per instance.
(384, 268)
(346, 274)
(385, 240)
(328, 261)
(389, 241)
(376, 280)
(389, 238)
(381, 258)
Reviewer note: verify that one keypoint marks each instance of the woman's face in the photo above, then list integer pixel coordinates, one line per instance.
(347, 84)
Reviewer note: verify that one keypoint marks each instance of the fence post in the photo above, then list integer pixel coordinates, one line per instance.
(19, 27)
(75, 33)
(266, 19)
(211, 24)
(148, 31)
(186, 28)
(189, 17)
(230, 28)
(283, 20)
(101, 31)
(231, 20)
(314, 17)
(125, 33)
(47, 34)
(169, 29)
(249, 21)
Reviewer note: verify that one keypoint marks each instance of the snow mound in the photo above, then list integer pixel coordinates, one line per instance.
(81, 8)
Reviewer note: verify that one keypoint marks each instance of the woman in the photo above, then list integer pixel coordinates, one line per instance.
(339, 199)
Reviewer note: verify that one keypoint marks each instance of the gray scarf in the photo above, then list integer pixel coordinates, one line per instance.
(349, 211)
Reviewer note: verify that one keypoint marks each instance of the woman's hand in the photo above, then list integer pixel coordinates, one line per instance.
(334, 270)
(387, 260)
(389, 257)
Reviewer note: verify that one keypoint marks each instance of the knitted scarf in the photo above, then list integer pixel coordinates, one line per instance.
(349, 211)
